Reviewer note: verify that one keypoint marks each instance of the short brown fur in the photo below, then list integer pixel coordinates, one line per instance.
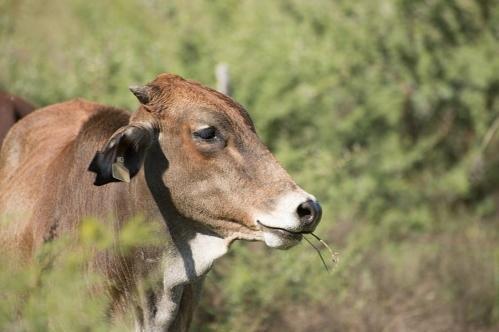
(46, 189)
(12, 109)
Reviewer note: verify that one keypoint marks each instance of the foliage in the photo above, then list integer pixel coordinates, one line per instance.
(387, 110)
(58, 290)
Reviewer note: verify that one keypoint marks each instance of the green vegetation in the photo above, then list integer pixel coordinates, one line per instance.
(386, 110)
(58, 291)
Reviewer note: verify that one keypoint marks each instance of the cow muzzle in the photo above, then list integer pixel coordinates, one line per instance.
(293, 215)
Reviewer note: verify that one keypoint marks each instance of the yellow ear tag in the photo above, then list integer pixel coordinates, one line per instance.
(120, 172)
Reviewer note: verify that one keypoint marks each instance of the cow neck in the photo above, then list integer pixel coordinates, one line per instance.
(189, 253)
(191, 248)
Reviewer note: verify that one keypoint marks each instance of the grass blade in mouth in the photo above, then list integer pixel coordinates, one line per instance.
(319, 252)
(334, 256)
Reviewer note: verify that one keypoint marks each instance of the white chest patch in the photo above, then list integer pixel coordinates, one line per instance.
(191, 259)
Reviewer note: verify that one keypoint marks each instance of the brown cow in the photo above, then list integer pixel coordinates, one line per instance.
(188, 158)
(12, 109)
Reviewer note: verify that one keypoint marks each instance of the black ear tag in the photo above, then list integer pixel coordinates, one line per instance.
(120, 172)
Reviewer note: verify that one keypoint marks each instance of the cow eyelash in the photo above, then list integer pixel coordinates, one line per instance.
(206, 134)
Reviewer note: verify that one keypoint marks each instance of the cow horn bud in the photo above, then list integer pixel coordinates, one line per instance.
(142, 92)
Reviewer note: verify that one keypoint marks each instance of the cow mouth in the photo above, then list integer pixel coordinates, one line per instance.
(297, 236)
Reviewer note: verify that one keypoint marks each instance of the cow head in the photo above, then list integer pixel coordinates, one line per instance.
(219, 172)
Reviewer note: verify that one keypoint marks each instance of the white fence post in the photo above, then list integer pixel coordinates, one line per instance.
(223, 78)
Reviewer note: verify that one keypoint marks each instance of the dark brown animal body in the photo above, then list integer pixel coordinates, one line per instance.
(197, 170)
(12, 109)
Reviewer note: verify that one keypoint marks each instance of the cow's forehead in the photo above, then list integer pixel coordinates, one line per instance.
(174, 89)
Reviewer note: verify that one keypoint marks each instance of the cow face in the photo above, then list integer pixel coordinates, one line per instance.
(219, 172)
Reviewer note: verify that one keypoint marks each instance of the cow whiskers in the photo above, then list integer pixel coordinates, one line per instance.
(334, 256)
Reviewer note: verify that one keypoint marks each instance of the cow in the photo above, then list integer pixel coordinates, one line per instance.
(188, 159)
(12, 109)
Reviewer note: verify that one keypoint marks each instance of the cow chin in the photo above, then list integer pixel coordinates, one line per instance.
(281, 239)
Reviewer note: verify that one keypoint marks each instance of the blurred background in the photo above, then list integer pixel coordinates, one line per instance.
(386, 110)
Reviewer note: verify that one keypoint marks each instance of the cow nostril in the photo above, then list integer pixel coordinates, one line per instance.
(309, 212)
(304, 211)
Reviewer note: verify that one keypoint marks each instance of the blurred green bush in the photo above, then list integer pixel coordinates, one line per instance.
(387, 110)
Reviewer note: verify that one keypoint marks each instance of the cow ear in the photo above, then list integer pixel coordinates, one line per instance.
(122, 156)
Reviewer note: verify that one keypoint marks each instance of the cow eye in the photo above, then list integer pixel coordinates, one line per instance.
(207, 134)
